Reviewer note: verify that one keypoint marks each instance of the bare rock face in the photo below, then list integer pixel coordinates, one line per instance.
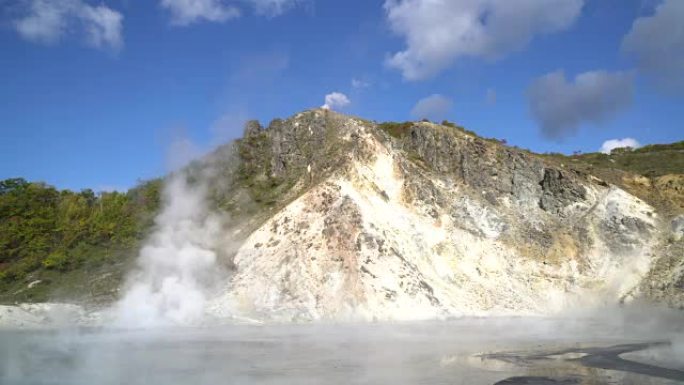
(430, 222)
(665, 281)
(496, 170)
(558, 191)
(678, 228)
(252, 128)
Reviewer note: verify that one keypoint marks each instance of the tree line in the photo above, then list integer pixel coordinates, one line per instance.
(42, 227)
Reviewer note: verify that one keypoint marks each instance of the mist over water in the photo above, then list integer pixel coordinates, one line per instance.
(177, 265)
(447, 352)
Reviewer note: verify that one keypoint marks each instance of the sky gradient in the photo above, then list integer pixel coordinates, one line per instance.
(100, 94)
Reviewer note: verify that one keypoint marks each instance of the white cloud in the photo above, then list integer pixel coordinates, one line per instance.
(560, 107)
(49, 21)
(611, 144)
(335, 100)
(274, 7)
(435, 107)
(438, 32)
(103, 26)
(45, 23)
(657, 44)
(184, 12)
(359, 84)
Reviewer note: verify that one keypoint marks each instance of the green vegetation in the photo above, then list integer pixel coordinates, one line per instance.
(400, 130)
(462, 129)
(652, 160)
(676, 146)
(395, 129)
(255, 169)
(48, 234)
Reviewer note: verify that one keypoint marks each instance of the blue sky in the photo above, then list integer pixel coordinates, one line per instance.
(97, 93)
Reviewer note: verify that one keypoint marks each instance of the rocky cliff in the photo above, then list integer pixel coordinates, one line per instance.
(350, 219)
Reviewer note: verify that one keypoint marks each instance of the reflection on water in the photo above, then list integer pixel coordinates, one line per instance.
(467, 351)
(573, 365)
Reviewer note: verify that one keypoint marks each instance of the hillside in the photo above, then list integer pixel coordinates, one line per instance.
(653, 172)
(652, 161)
(69, 245)
(420, 220)
(338, 217)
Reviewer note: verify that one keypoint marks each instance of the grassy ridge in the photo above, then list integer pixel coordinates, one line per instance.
(652, 161)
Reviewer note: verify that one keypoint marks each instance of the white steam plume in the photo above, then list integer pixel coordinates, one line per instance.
(610, 145)
(178, 263)
(335, 100)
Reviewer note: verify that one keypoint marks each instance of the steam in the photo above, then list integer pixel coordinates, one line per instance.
(178, 263)
(335, 100)
(610, 145)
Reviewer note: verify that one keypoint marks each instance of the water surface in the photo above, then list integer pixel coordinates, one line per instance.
(465, 351)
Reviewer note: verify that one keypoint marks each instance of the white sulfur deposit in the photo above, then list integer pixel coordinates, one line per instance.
(361, 246)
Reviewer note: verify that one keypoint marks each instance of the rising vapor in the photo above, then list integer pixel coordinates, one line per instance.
(178, 263)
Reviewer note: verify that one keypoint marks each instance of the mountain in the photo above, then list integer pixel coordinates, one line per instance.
(419, 220)
(337, 217)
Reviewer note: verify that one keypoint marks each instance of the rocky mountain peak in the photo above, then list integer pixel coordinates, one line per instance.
(420, 220)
